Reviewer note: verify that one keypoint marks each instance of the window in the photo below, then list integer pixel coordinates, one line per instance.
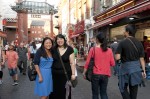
(84, 11)
(115, 1)
(79, 14)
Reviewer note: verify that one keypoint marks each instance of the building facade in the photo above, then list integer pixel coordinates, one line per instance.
(75, 19)
(10, 28)
(113, 15)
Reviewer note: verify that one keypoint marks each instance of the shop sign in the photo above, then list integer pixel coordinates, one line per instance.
(79, 27)
(4, 21)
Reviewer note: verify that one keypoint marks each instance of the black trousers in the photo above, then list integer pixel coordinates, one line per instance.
(131, 94)
(24, 62)
(1, 74)
(59, 90)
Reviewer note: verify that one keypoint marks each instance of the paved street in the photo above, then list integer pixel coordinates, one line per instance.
(83, 90)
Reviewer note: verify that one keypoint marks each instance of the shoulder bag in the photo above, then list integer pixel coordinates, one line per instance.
(32, 72)
(73, 82)
(89, 71)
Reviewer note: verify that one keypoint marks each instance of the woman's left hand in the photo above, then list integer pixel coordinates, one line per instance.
(73, 77)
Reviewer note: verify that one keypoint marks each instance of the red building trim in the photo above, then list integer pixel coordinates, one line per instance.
(79, 28)
(2, 34)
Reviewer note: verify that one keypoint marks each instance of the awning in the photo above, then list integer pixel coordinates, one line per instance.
(79, 27)
(13, 27)
(73, 36)
(133, 10)
(2, 34)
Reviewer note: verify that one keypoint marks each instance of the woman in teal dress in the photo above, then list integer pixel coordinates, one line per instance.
(43, 61)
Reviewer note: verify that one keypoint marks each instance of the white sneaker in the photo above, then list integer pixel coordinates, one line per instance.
(1, 82)
(14, 84)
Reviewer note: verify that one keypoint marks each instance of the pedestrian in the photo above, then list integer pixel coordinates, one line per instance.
(103, 59)
(23, 57)
(60, 88)
(43, 61)
(131, 53)
(81, 50)
(146, 44)
(114, 46)
(91, 43)
(33, 49)
(2, 56)
(12, 59)
(75, 55)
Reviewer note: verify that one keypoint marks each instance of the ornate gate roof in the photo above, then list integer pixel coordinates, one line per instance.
(32, 7)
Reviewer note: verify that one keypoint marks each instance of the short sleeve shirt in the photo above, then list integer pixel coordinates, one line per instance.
(12, 58)
(128, 51)
(57, 66)
(75, 52)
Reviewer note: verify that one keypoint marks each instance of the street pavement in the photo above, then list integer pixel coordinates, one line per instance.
(25, 89)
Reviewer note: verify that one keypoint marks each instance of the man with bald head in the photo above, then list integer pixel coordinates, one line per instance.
(23, 54)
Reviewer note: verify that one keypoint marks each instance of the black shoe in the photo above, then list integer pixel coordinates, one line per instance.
(24, 73)
(20, 71)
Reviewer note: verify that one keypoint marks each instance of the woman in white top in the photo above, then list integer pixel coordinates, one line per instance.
(33, 49)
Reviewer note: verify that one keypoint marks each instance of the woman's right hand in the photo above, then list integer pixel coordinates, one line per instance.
(40, 79)
(144, 74)
(84, 75)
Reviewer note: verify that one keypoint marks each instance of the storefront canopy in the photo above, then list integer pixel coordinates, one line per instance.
(130, 11)
(2, 34)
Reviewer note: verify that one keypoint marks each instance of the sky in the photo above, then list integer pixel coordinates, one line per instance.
(52, 2)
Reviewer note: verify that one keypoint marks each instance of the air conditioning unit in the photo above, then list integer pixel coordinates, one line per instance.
(105, 6)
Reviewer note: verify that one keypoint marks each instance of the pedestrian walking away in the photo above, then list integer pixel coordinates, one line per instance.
(61, 89)
(131, 53)
(43, 61)
(114, 46)
(103, 59)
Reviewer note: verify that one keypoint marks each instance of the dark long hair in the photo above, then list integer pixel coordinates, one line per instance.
(34, 45)
(63, 37)
(101, 38)
(42, 49)
(131, 29)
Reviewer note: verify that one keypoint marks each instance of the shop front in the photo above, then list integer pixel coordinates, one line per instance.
(127, 11)
(78, 35)
(2, 38)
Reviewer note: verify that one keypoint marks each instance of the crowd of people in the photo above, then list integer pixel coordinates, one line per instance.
(126, 56)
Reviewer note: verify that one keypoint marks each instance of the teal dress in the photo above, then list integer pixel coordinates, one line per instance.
(46, 87)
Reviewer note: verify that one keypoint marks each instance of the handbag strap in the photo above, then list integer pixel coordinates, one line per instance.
(133, 45)
(93, 52)
(66, 74)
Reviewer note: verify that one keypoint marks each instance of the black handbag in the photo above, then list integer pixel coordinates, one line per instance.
(89, 71)
(32, 72)
(73, 82)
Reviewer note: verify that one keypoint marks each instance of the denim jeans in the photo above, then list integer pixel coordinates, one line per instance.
(99, 86)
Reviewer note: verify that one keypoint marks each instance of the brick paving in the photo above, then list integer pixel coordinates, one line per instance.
(25, 89)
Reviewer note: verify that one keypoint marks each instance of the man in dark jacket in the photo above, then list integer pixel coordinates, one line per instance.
(23, 55)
